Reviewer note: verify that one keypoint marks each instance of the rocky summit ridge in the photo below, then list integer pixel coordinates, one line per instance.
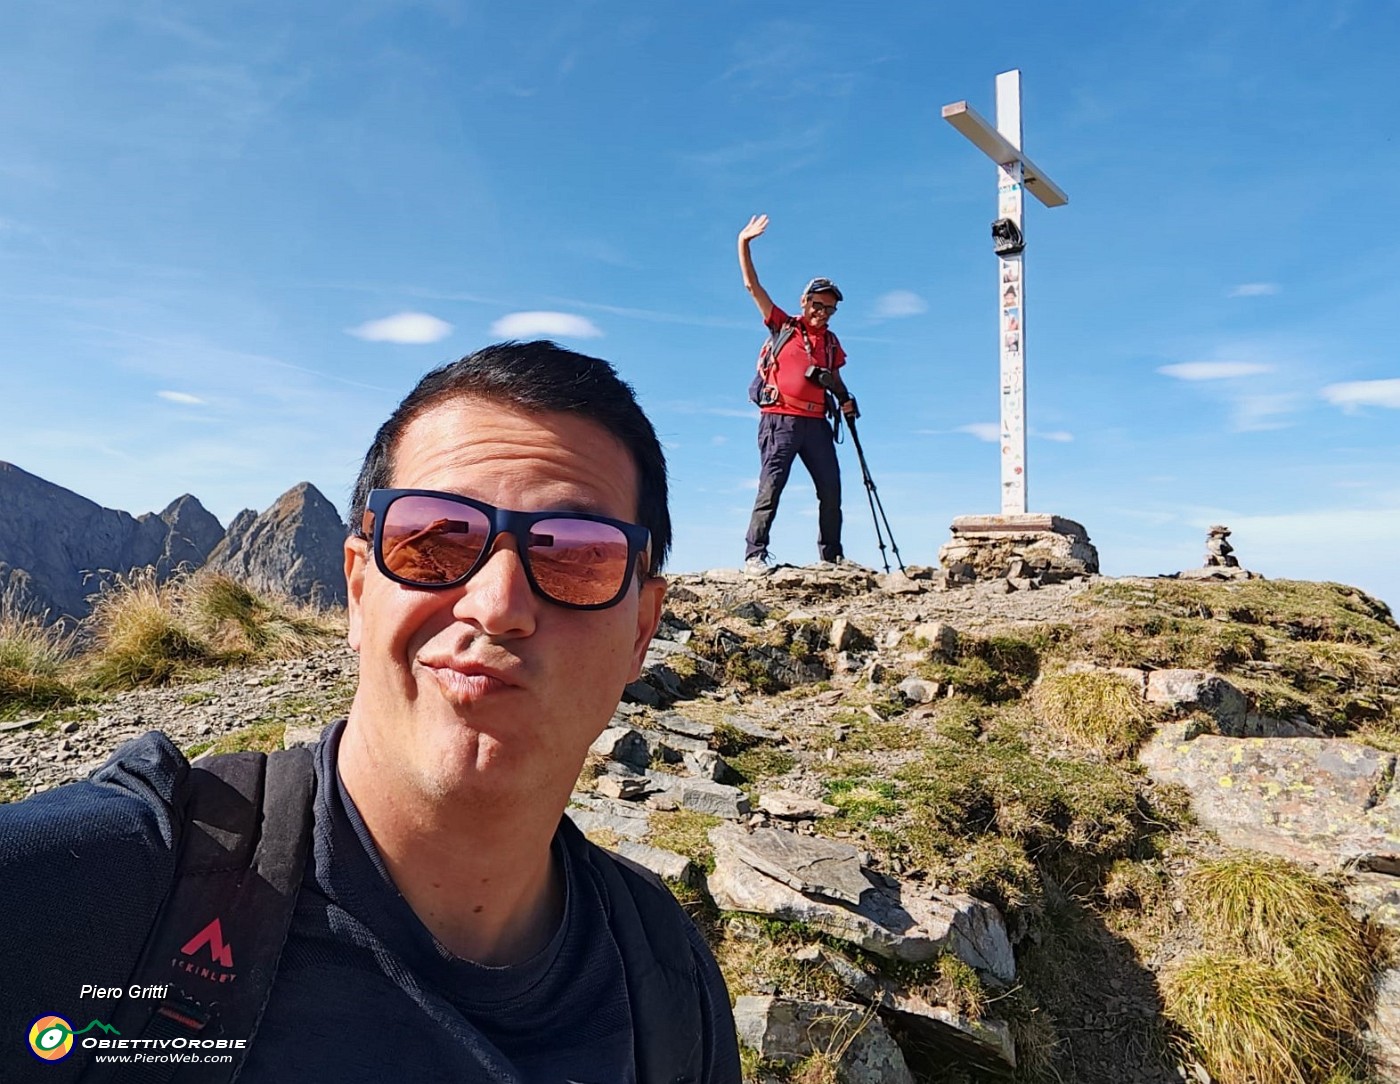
(58, 549)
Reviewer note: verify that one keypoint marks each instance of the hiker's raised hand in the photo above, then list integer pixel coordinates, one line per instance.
(757, 224)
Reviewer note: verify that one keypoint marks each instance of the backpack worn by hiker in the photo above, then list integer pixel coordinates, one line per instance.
(244, 844)
(763, 389)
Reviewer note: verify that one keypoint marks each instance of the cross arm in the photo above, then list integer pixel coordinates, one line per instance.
(999, 149)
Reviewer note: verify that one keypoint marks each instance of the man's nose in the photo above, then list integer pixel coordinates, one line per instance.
(498, 598)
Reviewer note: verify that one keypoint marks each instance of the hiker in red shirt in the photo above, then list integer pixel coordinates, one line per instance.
(793, 423)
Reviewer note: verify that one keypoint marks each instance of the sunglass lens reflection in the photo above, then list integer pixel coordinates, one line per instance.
(429, 540)
(577, 561)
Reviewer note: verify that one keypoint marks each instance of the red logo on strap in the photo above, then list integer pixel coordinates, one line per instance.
(213, 936)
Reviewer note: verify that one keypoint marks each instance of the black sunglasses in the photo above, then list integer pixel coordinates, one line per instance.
(423, 538)
(822, 306)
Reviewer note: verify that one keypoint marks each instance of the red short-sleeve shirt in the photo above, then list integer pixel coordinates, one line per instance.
(801, 396)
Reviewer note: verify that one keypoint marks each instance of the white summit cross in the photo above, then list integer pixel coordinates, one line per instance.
(1015, 174)
(1015, 544)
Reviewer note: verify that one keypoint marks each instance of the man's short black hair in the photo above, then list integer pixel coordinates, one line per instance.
(536, 378)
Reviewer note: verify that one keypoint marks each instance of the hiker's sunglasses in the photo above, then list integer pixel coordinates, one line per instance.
(423, 538)
(822, 306)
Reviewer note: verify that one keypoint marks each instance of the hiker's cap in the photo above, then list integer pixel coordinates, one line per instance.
(822, 286)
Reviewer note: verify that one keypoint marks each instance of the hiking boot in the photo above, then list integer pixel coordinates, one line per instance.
(760, 564)
(837, 562)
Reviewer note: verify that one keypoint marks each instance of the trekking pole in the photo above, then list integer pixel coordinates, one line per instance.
(872, 495)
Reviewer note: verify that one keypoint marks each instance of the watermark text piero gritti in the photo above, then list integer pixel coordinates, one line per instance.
(158, 992)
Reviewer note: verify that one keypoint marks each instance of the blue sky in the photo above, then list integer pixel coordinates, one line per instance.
(232, 236)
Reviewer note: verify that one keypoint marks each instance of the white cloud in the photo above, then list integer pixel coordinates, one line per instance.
(181, 397)
(899, 303)
(1253, 289)
(545, 325)
(404, 327)
(1256, 413)
(1358, 393)
(1059, 436)
(988, 431)
(1215, 370)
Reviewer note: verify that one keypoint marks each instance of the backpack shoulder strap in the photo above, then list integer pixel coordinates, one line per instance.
(833, 344)
(663, 981)
(212, 952)
(768, 356)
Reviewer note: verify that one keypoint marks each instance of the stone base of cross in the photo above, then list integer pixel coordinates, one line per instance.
(1025, 550)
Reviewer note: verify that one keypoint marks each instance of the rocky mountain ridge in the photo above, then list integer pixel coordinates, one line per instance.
(293, 548)
(58, 549)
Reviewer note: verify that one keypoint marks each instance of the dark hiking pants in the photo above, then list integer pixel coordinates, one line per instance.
(781, 439)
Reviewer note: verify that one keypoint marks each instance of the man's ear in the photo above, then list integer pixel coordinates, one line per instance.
(651, 599)
(356, 557)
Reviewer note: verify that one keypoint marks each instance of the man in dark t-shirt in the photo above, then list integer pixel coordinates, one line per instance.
(507, 533)
(793, 421)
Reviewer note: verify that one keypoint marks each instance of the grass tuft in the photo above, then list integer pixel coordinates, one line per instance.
(1094, 709)
(149, 633)
(958, 988)
(33, 657)
(1251, 1022)
(258, 738)
(685, 832)
(1139, 886)
(139, 635)
(862, 800)
(1284, 982)
(241, 622)
(1271, 910)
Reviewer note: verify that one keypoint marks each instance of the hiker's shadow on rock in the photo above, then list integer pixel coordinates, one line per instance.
(1108, 1020)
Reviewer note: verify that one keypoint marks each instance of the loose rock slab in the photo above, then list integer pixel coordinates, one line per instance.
(789, 1031)
(918, 691)
(1202, 690)
(668, 865)
(295, 736)
(679, 724)
(981, 1044)
(1383, 1035)
(702, 795)
(894, 923)
(623, 744)
(592, 814)
(821, 867)
(628, 790)
(942, 638)
(794, 807)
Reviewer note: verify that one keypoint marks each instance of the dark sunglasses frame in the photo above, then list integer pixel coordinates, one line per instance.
(502, 521)
(822, 306)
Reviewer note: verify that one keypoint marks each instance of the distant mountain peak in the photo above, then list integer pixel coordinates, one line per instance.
(57, 547)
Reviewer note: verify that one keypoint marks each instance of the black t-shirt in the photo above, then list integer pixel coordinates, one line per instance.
(365, 993)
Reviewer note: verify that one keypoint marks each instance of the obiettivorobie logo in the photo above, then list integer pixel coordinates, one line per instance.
(51, 1037)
